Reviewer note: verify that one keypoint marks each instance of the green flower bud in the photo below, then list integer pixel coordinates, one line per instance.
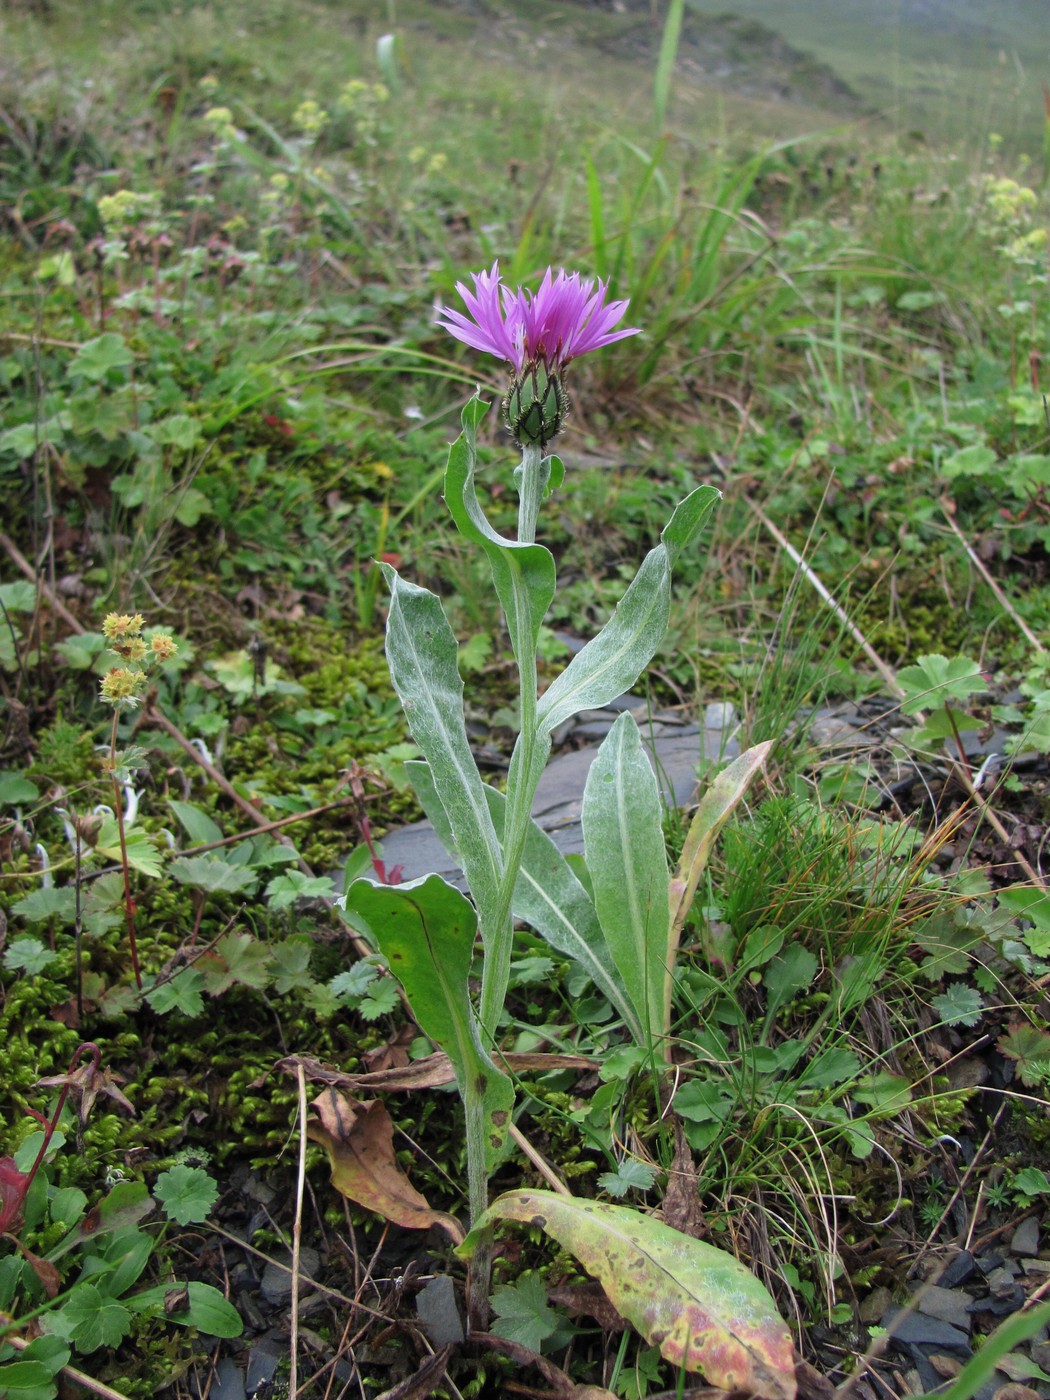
(536, 406)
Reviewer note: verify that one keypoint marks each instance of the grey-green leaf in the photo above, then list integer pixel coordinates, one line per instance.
(627, 860)
(422, 654)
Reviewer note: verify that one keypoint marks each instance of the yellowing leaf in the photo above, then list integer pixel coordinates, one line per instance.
(699, 1305)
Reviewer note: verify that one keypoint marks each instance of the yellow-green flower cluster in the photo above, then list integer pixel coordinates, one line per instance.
(1009, 202)
(124, 686)
(126, 207)
(310, 118)
(362, 103)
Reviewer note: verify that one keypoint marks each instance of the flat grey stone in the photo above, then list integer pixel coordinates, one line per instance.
(947, 1305)
(276, 1283)
(1025, 1239)
(262, 1363)
(436, 1306)
(958, 1269)
(675, 749)
(916, 1329)
(227, 1382)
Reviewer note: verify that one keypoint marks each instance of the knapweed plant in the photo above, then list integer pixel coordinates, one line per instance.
(621, 921)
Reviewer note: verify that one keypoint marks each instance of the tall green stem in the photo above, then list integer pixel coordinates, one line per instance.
(521, 784)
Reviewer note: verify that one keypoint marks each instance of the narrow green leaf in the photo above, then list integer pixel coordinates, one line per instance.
(613, 660)
(699, 1305)
(716, 807)
(664, 74)
(689, 518)
(426, 931)
(624, 844)
(549, 897)
(422, 655)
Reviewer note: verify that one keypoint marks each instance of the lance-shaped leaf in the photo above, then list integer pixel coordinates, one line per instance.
(716, 807)
(425, 929)
(699, 1305)
(524, 574)
(613, 660)
(422, 655)
(624, 843)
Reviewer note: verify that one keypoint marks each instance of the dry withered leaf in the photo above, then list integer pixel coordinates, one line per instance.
(588, 1300)
(359, 1140)
(392, 1055)
(432, 1072)
(682, 1209)
(85, 1085)
(421, 1385)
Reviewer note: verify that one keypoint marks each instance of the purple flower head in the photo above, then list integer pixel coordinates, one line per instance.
(566, 318)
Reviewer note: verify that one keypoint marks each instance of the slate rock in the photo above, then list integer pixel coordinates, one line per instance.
(276, 1285)
(675, 749)
(1025, 1239)
(438, 1312)
(262, 1363)
(945, 1304)
(958, 1269)
(228, 1382)
(916, 1329)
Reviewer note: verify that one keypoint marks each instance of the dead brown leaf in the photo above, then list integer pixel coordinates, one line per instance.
(422, 1384)
(432, 1072)
(682, 1209)
(359, 1140)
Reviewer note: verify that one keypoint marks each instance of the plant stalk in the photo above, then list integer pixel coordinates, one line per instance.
(521, 782)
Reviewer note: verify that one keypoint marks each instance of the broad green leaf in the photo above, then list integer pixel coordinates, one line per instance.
(960, 1005)
(787, 975)
(426, 931)
(549, 897)
(237, 958)
(630, 1175)
(29, 1380)
(181, 993)
(700, 1306)
(523, 574)
(884, 1093)
(19, 596)
(28, 955)
(126, 1255)
(935, 680)
(422, 654)
(975, 460)
(126, 1205)
(16, 790)
(613, 660)
(190, 1305)
(211, 874)
(89, 1319)
(624, 843)
(49, 903)
(143, 854)
(177, 430)
(187, 1194)
(97, 357)
(523, 1314)
(196, 823)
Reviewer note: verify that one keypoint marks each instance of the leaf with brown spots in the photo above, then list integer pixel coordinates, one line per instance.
(359, 1140)
(699, 1305)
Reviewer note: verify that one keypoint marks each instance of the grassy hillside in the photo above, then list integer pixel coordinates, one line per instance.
(954, 71)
